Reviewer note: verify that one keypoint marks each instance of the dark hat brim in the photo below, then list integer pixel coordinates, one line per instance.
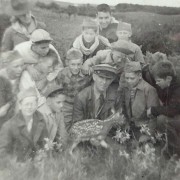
(53, 90)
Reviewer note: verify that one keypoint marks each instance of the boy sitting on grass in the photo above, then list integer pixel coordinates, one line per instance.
(73, 81)
(53, 116)
(90, 42)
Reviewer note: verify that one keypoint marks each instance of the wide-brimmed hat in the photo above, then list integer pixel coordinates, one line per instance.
(105, 71)
(18, 7)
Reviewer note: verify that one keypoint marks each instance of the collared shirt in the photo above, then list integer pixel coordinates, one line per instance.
(145, 97)
(72, 84)
(54, 122)
(29, 125)
(97, 95)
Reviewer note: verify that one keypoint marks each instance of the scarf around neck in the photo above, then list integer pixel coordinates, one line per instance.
(78, 43)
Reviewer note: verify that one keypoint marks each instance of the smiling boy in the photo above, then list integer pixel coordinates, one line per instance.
(73, 81)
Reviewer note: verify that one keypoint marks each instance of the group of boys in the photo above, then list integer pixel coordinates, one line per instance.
(51, 98)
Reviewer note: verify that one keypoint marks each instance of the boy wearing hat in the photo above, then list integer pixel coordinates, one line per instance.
(168, 114)
(124, 33)
(89, 42)
(23, 135)
(38, 48)
(23, 24)
(73, 81)
(53, 115)
(9, 80)
(97, 101)
(107, 23)
(117, 57)
(137, 96)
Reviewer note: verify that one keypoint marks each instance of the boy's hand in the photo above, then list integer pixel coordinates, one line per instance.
(4, 109)
(85, 69)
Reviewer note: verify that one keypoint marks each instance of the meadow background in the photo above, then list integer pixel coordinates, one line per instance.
(155, 30)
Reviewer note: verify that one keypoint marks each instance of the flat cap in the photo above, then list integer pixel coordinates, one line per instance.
(27, 93)
(122, 46)
(132, 67)
(122, 26)
(105, 70)
(40, 35)
(53, 89)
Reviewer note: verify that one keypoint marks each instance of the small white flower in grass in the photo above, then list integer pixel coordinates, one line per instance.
(49, 144)
(144, 129)
(121, 136)
(123, 154)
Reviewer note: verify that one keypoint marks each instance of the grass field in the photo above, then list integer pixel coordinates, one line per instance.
(140, 164)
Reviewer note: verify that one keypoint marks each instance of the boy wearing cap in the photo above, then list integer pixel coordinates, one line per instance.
(90, 42)
(23, 24)
(53, 115)
(38, 47)
(117, 57)
(9, 84)
(124, 33)
(168, 114)
(97, 101)
(137, 96)
(23, 135)
(107, 23)
(73, 81)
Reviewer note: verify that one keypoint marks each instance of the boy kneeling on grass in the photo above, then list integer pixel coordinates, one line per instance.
(73, 81)
(23, 135)
(53, 115)
(168, 114)
(137, 96)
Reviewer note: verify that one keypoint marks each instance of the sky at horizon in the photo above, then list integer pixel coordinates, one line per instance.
(170, 3)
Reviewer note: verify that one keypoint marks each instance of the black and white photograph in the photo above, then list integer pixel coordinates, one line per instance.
(89, 90)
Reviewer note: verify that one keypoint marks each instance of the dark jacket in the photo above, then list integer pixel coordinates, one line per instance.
(16, 140)
(170, 96)
(6, 95)
(84, 104)
(110, 32)
(12, 37)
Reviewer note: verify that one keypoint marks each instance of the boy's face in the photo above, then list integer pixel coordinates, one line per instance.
(101, 83)
(75, 66)
(132, 79)
(118, 56)
(41, 49)
(123, 35)
(56, 103)
(46, 66)
(16, 67)
(104, 19)
(162, 82)
(25, 18)
(28, 105)
(89, 35)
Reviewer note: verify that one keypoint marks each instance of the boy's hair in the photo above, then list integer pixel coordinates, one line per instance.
(51, 55)
(73, 54)
(163, 69)
(56, 93)
(103, 8)
(89, 23)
